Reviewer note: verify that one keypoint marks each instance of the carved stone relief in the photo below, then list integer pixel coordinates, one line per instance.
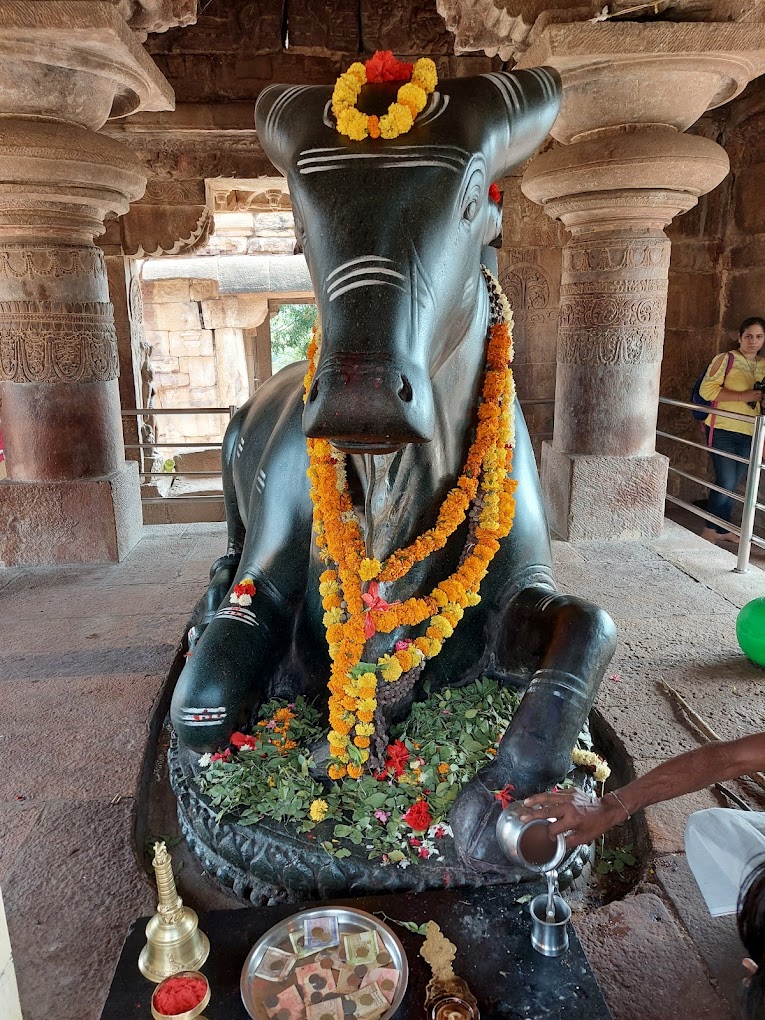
(52, 341)
(610, 346)
(22, 261)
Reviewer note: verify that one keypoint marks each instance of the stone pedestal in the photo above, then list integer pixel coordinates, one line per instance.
(69, 496)
(625, 169)
(88, 520)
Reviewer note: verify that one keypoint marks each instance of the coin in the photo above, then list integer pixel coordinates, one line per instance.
(316, 997)
(361, 970)
(362, 951)
(383, 959)
(283, 1014)
(316, 981)
(271, 1001)
(349, 1008)
(325, 963)
(387, 985)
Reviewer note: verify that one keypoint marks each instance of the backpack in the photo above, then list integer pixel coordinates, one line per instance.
(696, 397)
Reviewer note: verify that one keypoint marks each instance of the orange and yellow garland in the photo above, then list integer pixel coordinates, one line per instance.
(410, 99)
(353, 683)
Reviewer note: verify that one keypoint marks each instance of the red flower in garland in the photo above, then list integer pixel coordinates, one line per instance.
(418, 817)
(375, 603)
(383, 66)
(243, 742)
(494, 193)
(222, 755)
(396, 758)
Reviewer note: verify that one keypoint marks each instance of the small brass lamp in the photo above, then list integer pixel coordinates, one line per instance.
(174, 941)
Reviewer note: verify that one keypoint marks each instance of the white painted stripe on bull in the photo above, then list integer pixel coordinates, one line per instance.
(451, 153)
(281, 104)
(437, 104)
(361, 272)
(355, 262)
(277, 103)
(503, 86)
(546, 80)
(384, 166)
(220, 710)
(238, 614)
(367, 283)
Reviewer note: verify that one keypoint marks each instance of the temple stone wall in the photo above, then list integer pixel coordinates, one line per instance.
(236, 48)
(530, 271)
(197, 353)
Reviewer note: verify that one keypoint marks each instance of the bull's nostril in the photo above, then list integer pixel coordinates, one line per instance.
(314, 392)
(406, 390)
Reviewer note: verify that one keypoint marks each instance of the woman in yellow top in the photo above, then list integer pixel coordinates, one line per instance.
(733, 390)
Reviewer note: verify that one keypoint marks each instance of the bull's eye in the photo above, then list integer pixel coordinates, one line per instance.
(471, 210)
(299, 233)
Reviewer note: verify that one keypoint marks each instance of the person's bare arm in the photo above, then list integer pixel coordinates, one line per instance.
(733, 396)
(585, 819)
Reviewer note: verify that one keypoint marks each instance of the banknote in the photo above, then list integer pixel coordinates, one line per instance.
(275, 965)
(287, 1005)
(369, 1002)
(297, 938)
(385, 977)
(320, 933)
(328, 1009)
(314, 978)
(361, 947)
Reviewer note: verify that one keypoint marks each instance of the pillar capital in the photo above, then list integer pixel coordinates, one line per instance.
(641, 177)
(654, 74)
(75, 62)
(59, 181)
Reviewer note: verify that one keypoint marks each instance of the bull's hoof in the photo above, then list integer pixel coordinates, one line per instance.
(474, 820)
(474, 816)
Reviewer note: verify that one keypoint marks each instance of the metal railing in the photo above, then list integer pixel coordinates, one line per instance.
(150, 412)
(749, 501)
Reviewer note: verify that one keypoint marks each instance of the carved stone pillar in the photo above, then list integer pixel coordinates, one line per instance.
(624, 171)
(70, 496)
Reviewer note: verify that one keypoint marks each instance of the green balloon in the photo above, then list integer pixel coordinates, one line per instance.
(750, 630)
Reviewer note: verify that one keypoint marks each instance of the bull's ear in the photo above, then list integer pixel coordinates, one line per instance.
(529, 101)
(271, 123)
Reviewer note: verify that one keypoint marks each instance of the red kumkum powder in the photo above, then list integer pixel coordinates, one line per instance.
(179, 995)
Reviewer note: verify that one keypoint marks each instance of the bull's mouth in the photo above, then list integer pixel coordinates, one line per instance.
(375, 448)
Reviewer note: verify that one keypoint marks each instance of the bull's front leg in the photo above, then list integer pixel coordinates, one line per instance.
(575, 641)
(227, 672)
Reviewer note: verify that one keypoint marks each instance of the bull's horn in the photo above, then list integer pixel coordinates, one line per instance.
(272, 122)
(529, 101)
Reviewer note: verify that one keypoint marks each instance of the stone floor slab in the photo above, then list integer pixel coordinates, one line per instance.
(77, 738)
(715, 938)
(645, 963)
(69, 898)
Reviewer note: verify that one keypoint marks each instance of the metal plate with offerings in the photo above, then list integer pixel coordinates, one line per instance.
(329, 963)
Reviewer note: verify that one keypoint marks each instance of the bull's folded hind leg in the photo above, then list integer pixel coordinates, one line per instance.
(576, 640)
(227, 673)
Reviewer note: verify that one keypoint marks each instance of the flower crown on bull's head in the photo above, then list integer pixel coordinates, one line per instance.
(420, 80)
(517, 110)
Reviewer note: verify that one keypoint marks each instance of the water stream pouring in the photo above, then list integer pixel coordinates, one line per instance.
(531, 845)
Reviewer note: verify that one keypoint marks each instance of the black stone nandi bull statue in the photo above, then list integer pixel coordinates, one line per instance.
(393, 233)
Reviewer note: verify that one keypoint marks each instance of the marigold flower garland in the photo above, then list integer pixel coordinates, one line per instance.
(485, 479)
(420, 80)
